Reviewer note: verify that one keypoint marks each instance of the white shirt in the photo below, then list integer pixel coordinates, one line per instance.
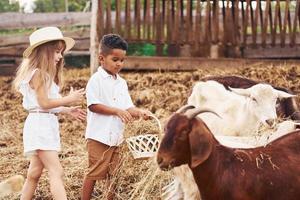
(29, 95)
(103, 88)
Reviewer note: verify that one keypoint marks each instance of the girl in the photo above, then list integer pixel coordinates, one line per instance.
(38, 79)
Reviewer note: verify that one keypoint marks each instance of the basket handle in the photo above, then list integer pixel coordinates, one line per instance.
(158, 122)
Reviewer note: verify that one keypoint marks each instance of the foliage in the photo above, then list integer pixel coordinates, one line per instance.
(5, 6)
(21, 31)
(77, 5)
(145, 49)
(59, 5)
(49, 6)
(77, 61)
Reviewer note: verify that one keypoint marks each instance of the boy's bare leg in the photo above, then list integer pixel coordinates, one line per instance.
(111, 181)
(110, 187)
(87, 189)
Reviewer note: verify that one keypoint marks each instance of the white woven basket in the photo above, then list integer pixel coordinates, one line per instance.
(144, 146)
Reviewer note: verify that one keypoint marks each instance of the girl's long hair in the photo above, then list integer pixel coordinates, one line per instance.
(42, 58)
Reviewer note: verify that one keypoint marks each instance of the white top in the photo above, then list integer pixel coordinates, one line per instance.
(103, 88)
(29, 96)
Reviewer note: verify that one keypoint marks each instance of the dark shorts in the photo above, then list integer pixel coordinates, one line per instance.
(103, 160)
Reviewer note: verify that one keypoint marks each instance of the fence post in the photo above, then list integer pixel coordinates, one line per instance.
(95, 34)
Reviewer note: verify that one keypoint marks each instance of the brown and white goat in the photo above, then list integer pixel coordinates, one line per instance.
(270, 172)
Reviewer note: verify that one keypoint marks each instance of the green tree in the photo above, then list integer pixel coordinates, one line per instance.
(5, 6)
(74, 5)
(49, 6)
(59, 5)
(77, 5)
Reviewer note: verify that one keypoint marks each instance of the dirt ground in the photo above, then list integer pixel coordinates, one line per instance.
(160, 92)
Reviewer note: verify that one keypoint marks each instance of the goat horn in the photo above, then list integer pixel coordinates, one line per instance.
(193, 113)
(184, 108)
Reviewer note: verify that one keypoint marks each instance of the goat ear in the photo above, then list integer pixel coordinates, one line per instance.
(200, 144)
(282, 94)
(239, 91)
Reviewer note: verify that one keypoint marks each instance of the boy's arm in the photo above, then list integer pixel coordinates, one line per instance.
(124, 115)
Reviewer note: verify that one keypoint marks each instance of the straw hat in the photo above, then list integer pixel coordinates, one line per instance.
(44, 35)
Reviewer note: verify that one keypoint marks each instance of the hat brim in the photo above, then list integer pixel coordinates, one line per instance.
(70, 42)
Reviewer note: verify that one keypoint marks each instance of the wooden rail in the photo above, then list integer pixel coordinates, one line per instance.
(35, 20)
(136, 63)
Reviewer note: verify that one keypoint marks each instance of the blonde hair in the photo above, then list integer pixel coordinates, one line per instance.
(42, 58)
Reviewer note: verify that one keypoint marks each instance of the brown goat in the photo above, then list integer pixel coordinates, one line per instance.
(287, 107)
(262, 173)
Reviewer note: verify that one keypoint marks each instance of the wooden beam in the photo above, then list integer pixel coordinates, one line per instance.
(33, 20)
(137, 63)
(190, 64)
(276, 52)
(15, 51)
(128, 20)
(11, 40)
(108, 24)
(94, 36)
(7, 69)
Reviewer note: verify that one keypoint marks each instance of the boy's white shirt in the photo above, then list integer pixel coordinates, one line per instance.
(102, 88)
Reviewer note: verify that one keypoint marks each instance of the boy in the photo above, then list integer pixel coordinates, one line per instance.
(109, 107)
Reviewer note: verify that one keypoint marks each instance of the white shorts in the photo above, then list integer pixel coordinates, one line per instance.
(41, 132)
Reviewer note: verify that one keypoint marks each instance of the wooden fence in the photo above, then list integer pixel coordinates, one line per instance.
(232, 25)
(199, 28)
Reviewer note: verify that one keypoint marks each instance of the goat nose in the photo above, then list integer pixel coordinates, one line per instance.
(159, 160)
(172, 163)
(270, 122)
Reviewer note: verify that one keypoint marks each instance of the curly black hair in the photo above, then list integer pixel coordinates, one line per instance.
(112, 41)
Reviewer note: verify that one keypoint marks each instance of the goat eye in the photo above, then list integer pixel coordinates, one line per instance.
(183, 135)
(184, 132)
(253, 99)
(180, 139)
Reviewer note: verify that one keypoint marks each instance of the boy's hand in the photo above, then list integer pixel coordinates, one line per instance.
(124, 115)
(76, 112)
(138, 113)
(145, 114)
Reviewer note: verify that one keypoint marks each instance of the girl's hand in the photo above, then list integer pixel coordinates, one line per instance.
(124, 115)
(76, 96)
(76, 112)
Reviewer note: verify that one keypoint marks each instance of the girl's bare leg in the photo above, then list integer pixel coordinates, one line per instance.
(51, 162)
(33, 175)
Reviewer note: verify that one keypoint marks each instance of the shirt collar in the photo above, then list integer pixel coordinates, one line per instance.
(104, 74)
